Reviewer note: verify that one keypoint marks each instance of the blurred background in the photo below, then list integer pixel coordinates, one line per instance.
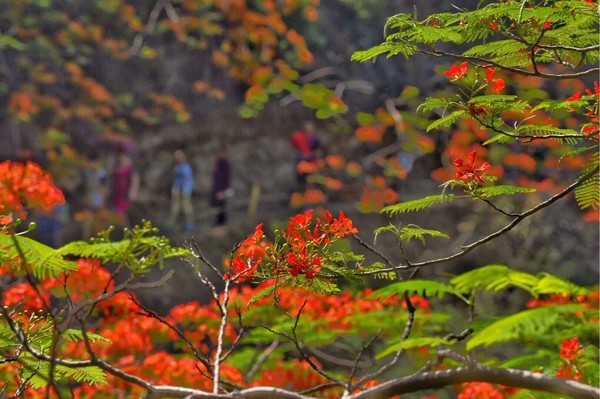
(102, 93)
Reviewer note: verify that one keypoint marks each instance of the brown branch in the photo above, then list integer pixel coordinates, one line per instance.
(509, 377)
(412, 383)
(373, 250)
(160, 5)
(486, 62)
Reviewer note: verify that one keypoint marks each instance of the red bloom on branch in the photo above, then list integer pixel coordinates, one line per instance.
(570, 349)
(304, 263)
(496, 84)
(467, 171)
(457, 71)
(575, 96)
(342, 226)
(249, 255)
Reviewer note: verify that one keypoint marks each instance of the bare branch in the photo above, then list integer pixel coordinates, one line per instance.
(261, 360)
(509, 377)
(484, 62)
(138, 40)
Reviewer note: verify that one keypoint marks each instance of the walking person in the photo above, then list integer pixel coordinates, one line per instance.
(181, 192)
(125, 185)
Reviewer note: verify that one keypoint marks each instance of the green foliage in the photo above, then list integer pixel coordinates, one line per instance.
(37, 373)
(409, 232)
(425, 288)
(75, 335)
(413, 231)
(498, 277)
(527, 323)
(446, 120)
(139, 250)
(418, 204)
(493, 191)
(588, 193)
(27, 255)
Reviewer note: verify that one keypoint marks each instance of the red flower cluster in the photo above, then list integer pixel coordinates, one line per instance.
(570, 351)
(249, 255)
(301, 252)
(592, 127)
(497, 84)
(590, 301)
(467, 171)
(26, 185)
(457, 71)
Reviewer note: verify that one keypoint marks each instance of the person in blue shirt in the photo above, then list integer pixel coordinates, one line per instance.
(181, 192)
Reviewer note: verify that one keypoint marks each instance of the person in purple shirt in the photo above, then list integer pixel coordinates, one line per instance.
(125, 184)
(181, 192)
(221, 185)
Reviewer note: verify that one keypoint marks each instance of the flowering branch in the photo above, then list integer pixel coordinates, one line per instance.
(517, 219)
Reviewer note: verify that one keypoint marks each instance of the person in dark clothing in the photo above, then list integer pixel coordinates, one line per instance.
(221, 185)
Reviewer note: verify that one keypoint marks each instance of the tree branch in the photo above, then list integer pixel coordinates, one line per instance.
(509, 377)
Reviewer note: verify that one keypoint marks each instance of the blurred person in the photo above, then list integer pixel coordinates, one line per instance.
(96, 182)
(221, 185)
(181, 192)
(124, 184)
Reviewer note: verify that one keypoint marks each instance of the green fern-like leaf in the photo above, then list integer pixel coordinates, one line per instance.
(411, 231)
(493, 191)
(447, 120)
(104, 251)
(537, 130)
(137, 254)
(413, 343)
(531, 322)
(389, 48)
(418, 204)
(34, 372)
(432, 103)
(493, 278)
(500, 138)
(496, 48)
(43, 261)
(498, 277)
(550, 284)
(263, 294)
(75, 335)
(91, 375)
(587, 193)
(428, 288)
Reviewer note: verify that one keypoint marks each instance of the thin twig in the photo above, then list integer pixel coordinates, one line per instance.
(373, 250)
(256, 365)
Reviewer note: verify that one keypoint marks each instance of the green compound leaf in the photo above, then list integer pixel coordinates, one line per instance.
(418, 204)
(529, 322)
